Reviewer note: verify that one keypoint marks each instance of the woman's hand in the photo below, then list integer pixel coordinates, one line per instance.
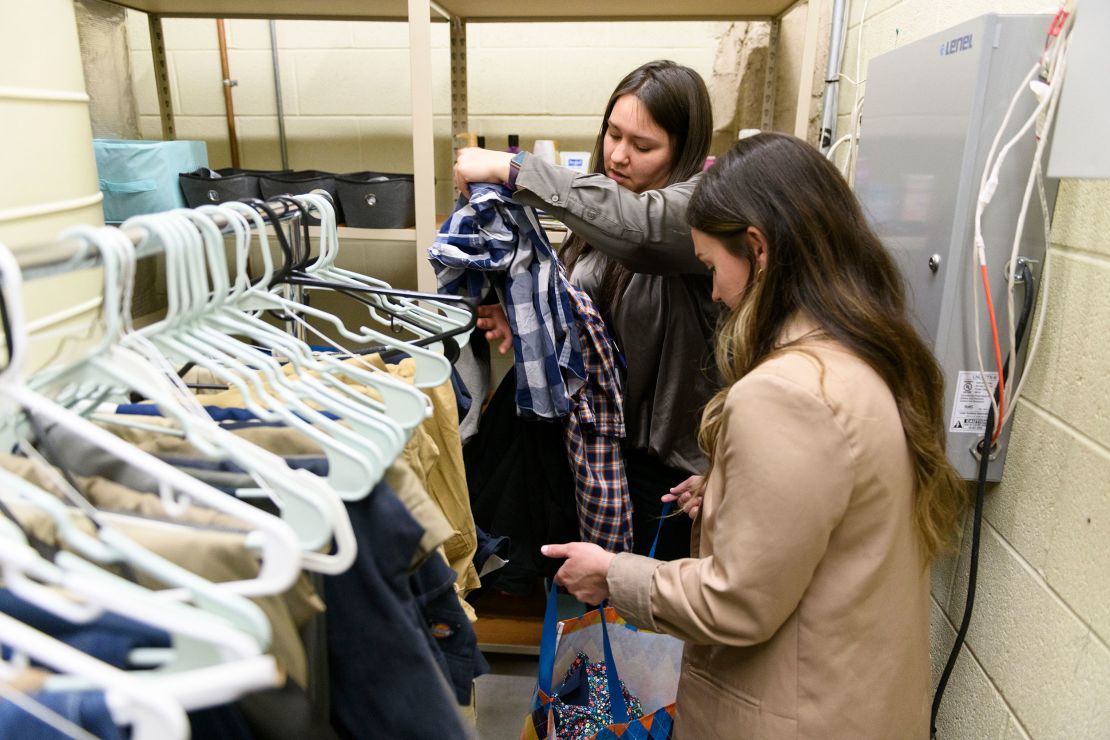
(480, 165)
(688, 494)
(492, 319)
(585, 571)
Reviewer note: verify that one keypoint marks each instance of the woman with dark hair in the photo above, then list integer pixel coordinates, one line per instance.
(630, 250)
(805, 606)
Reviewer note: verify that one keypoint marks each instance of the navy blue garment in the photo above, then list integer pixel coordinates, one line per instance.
(315, 464)
(225, 722)
(463, 401)
(109, 638)
(385, 679)
(453, 638)
(521, 486)
(487, 546)
(86, 709)
(216, 413)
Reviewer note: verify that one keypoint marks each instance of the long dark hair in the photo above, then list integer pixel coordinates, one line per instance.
(677, 100)
(823, 259)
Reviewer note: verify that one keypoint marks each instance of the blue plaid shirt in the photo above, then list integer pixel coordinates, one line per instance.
(566, 362)
(493, 234)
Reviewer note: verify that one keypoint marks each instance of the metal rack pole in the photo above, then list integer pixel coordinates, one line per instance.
(72, 255)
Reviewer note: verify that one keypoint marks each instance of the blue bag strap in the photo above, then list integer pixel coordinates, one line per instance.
(662, 518)
(616, 698)
(547, 660)
(547, 645)
(132, 186)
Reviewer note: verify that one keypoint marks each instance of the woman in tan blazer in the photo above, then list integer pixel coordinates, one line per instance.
(805, 609)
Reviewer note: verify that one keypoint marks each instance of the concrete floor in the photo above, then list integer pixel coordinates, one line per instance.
(504, 695)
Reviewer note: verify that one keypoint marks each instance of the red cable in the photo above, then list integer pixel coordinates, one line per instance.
(997, 352)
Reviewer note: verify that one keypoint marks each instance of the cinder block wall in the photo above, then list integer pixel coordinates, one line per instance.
(1037, 659)
(345, 85)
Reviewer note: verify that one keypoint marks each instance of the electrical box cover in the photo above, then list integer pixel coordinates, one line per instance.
(932, 110)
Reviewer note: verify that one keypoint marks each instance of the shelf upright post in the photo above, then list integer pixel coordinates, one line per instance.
(423, 137)
(460, 105)
(161, 76)
(770, 80)
(807, 71)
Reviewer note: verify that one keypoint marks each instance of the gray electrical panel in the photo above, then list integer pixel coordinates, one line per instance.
(932, 110)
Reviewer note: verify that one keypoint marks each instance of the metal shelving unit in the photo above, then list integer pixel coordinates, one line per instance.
(420, 14)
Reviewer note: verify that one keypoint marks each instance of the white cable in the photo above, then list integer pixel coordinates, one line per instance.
(832, 149)
(1042, 310)
(850, 162)
(988, 184)
(978, 254)
(1042, 139)
(1035, 340)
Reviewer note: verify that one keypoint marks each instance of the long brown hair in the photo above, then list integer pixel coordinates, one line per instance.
(824, 260)
(677, 100)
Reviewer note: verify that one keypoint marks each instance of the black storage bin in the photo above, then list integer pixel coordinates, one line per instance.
(205, 186)
(300, 182)
(377, 200)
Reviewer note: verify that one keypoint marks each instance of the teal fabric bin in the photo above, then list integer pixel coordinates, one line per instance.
(141, 176)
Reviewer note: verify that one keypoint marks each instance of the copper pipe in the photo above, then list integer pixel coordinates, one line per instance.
(225, 70)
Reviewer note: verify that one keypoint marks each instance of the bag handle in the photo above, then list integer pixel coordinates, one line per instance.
(659, 530)
(134, 186)
(547, 644)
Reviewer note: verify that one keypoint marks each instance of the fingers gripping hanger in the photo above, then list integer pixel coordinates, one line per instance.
(280, 555)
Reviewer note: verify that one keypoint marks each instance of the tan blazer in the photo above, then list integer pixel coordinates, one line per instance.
(805, 612)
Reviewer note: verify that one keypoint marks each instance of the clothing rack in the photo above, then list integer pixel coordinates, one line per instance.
(72, 255)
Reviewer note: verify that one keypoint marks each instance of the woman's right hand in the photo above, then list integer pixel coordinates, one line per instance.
(492, 319)
(480, 165)
(688, 494)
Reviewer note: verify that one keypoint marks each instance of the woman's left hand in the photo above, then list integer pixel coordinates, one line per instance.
(585, 571)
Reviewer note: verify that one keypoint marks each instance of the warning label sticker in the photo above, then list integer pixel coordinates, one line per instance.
(973, 402)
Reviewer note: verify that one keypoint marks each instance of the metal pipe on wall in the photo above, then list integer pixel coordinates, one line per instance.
(229, 105)
(277, 96)
(832, 76)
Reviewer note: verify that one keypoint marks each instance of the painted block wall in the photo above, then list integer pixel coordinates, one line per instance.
(345, 85)
(1037, 659)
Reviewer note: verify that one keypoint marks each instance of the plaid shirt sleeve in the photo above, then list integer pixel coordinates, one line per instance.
(492, 242)
(593, 431)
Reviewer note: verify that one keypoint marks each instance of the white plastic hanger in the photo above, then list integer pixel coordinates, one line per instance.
(388, 423)
(199, 637)
(441, 316)
(279, 550)
(151, 712)
(354, 466)
(307, 503)
(212, 663)
(431, 369)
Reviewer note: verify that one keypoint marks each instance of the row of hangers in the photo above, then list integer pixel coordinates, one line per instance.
(213, 321)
